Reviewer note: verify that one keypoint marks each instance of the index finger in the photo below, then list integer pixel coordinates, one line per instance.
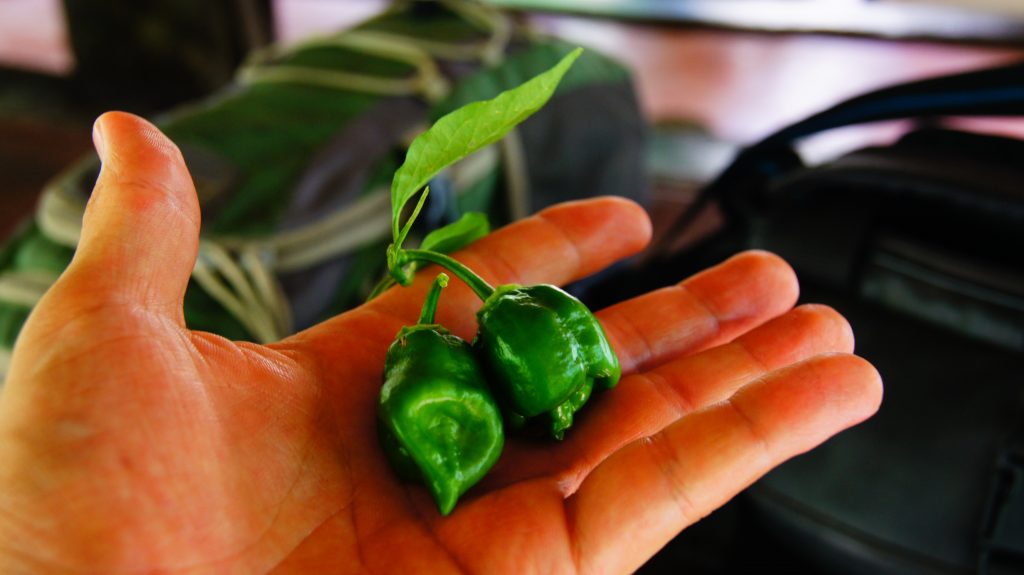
(557, 245)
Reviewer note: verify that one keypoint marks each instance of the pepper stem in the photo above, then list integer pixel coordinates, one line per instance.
(481, 288)
(430, 303)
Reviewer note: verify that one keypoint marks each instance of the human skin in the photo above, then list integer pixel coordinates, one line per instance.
(130, 444)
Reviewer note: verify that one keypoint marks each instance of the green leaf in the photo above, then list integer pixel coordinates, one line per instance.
(467, 130)
(457, 235)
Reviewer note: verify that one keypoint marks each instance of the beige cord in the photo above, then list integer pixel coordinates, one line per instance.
(517, 178)
(61, 205)
(5, 365)
(490, 19)
(335, 80)
(258, 307)
(427, 81)
(268, 289)
(25, 287)
(367, 218)
(418, 52)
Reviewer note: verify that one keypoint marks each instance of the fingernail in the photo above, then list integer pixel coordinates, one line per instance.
(97, 139)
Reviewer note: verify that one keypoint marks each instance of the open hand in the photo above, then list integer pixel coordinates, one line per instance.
(130, 444)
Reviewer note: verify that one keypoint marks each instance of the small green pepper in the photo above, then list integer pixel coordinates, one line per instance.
(545, 352)
(438, 421)
(542, 348)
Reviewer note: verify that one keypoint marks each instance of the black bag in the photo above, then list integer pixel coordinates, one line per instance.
(921, 246)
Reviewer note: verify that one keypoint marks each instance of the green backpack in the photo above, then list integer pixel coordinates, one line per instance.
(293, 161)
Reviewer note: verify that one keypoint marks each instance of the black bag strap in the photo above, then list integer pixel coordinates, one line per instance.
(997, 91)
(1001, 543)
(989, 92)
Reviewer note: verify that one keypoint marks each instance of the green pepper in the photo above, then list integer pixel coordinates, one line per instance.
(542, 348)
(544, 351)
(438, 421)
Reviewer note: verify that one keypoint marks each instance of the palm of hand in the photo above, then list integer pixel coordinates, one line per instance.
(151, 447)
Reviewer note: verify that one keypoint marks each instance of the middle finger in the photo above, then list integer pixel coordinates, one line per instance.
(644, 403)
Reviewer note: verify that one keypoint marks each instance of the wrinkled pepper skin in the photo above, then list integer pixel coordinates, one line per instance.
(438, 421)
(544, 352)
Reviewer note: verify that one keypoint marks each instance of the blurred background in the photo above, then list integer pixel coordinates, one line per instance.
(738, 69)
(735, 69)
(935, 484)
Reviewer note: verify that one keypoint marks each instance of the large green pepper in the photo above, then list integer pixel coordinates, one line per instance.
(545, 352)
(438, 421)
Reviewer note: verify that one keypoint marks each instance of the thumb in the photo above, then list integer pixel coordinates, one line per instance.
(140, 231)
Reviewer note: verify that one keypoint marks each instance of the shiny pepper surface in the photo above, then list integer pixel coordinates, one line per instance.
(438, 421)
(544, 352)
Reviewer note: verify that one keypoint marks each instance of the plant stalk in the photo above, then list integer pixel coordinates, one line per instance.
(481, 288)
(430, 303)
